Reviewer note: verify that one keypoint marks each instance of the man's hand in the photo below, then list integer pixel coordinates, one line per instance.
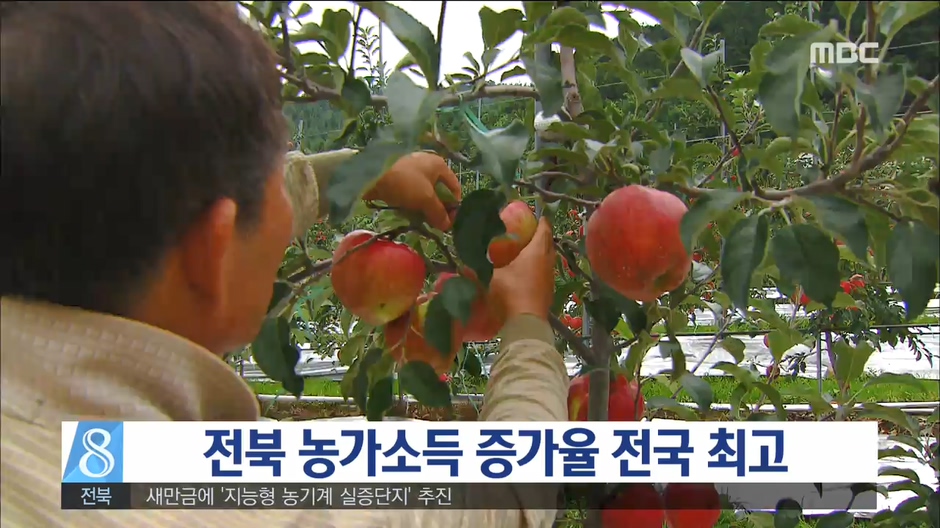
(527, 284)
(409, 185)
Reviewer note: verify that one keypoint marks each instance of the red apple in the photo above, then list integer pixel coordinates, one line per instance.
(378, 282)
(804, 300)
(575, 323)
(404, 339)
(487, 316)
(625, 403)
(564, 264)
(858, 281)
(691, 505)
(638, 505)
(633, 242)
(520, 228)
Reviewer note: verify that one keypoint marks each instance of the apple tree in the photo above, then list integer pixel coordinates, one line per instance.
(801, 198)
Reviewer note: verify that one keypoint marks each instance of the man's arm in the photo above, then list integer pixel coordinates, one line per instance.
(529, 380)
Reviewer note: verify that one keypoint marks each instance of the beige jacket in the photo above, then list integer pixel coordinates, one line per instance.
(64, 364)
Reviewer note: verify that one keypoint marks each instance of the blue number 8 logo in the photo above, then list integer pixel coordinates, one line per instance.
(97, 451)
(96, 454)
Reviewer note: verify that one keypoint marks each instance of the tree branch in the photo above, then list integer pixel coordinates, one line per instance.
(576, 343)
(315, 92)
(556, 196)
(355, 38)
(288, 56)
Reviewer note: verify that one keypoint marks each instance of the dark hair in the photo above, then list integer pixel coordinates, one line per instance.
(122, 122)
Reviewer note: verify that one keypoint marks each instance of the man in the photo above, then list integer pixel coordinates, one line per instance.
(145, 215)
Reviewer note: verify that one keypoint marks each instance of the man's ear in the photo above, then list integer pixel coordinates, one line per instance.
(207, 250)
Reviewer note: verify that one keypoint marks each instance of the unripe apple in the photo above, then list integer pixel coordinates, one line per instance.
(520, 228)
(378, 282)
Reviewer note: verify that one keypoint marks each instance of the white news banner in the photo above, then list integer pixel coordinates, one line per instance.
(468, 452)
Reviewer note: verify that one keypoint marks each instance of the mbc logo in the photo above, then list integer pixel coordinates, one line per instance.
(842, 53)
(96, 454)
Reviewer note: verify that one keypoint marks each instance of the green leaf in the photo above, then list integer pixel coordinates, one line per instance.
(419, 379)
(338, 24)
(704, 210)
(851, 361)
(788, 26)
(775, 399)
(457, 296)
(811, 396)
(846, 9)
(896, 15)
(807, 256)
(410, 106)
(356, 94)
(836, 520)
(351, 349)
(439, 326)
(896, 379)
(662, 12)
(547, 80)
(781, 87)
(906, 473)
(893, 415)
(380, 399)
(471, 363)
(655, 403)
(498, 27)
(564, 16)
(678, 88)
(843, 300)
(636, 316)
(276, 357)
(883, 98)
(501, 149)
(413, 35)
(912, 265)
(701, 67)
(661, 160)
(781, 340)
(788, 514)
(735, 347)
(741, 254)
(279, 297)
(476, 224)
(933, 509)
(361, 381)
(698, 389)
(845, 219)
(537, 10)
(356, 174)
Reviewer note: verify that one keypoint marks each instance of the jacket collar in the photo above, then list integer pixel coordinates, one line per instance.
(61, 363)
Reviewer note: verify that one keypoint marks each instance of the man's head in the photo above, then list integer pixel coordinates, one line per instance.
(142, 154)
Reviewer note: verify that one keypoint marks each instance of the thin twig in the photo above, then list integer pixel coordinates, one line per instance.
(734, 137)
(440, 36)
(555, 196)
(316, 92)
(440, 244)
(286, 51)
(576, 343)
(355, 39)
